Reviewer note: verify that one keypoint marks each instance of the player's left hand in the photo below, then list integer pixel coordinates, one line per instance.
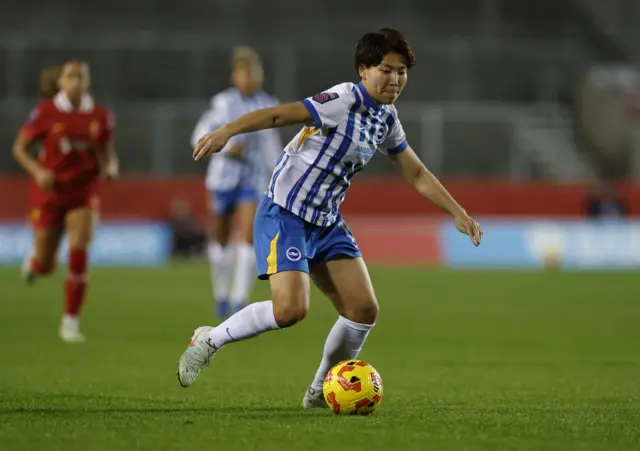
(110, 173)
(469, 227)
(211, 143)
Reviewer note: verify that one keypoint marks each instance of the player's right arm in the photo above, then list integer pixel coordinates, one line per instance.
(108, 160)
(35, 127)
(323, 110)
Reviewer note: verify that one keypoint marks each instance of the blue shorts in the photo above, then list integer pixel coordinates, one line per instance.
(225, 202)
(284, 242)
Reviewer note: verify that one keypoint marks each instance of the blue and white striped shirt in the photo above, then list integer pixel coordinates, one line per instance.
(315, 169)
(260, 149)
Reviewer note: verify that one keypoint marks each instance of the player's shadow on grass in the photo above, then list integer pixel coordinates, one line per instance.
(237, 411)
(89, 404)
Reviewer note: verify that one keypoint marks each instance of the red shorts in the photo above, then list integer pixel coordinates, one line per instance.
(49, 208)
(50, 215)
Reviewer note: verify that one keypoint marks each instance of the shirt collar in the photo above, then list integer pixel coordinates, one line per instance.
(62, 102)
(368, 101)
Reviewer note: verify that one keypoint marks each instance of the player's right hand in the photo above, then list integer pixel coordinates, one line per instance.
(211, 143)
(470, 227)
(110, 171)
(44, 179)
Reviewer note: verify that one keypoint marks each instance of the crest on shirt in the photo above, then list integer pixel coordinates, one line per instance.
(324, 97)
(381, 134)
(364, 154)
(94, 129)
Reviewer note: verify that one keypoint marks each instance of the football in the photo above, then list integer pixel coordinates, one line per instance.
(352, 387)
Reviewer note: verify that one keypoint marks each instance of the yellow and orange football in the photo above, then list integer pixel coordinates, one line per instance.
(353, 387)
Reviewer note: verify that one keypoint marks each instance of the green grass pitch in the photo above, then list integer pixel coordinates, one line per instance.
(470, 360)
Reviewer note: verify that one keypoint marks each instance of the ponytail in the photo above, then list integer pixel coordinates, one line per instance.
(49, 82)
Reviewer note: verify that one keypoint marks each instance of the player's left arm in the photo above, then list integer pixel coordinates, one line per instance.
(416, 173)
(428, 185)
(112, 163)
(109, 161)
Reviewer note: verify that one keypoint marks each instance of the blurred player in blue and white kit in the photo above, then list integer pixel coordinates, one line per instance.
(299, 233)
(236, 179)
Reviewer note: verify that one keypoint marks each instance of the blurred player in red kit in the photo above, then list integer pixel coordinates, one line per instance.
(76, 151)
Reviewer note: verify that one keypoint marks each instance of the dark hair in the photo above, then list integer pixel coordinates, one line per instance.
(372, 48)
(49, 82)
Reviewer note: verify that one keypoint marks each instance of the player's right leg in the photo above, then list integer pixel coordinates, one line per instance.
(245, 266)
(219, 250)
(47, 227)
(80, 225)
(280, 243)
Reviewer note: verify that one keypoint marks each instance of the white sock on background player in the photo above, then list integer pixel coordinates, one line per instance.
(245, 276)
(221, 259)
(344, 342)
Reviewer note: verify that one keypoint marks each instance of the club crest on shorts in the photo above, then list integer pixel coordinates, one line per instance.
(294, 254)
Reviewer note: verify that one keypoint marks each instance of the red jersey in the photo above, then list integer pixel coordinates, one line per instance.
(70, 139)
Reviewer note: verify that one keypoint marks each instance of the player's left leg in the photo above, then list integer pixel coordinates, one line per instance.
(220, 251)
(245, 271)
(79, 224)
(47, 224)
(282, 254)
(344, 279)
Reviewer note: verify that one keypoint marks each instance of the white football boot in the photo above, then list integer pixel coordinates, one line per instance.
(27, 275)
(314, 399)
(70, 330)
(197, 356)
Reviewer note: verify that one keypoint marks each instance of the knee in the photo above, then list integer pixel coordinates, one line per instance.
(79, 239)
(78, 245)
(290, 309)
(363, 313)
(222, 237)
(248, 234)
(246, 237)
(47, 266)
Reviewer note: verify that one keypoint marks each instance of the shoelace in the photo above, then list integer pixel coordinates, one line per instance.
(206, 360)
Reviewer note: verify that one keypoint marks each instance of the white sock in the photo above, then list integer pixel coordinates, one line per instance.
(221, 259)
(252, 320)
(245, 274)
(343, 343)
(70, 322)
